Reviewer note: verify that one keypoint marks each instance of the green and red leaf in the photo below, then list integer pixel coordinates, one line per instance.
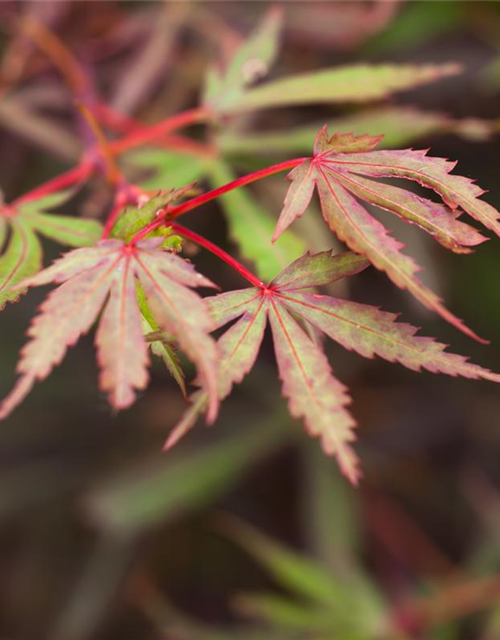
(337, 171)
(106, 277)
(314, 394)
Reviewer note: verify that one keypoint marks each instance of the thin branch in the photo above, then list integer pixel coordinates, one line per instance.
(175, 212)
(124, 124)
(151, 133)
(220, 253)
(67, 179)
(170, 213)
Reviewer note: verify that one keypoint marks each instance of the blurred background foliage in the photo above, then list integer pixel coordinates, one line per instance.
(246, 531)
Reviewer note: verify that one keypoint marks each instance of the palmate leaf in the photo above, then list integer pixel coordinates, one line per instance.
(22, 255)
(106, 276)
(313, 392)
(336, 170)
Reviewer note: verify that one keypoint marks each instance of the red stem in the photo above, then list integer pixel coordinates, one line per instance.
(111, 219)
(210, 246)
(175, 212)
(136, 138)
(155, 131)
(113, 119)
(66, 179)
(126, 125)
(180, 209)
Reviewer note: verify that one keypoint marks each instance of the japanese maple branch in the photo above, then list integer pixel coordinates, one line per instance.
(220, 253)
(170, 213)
(67, 179)
(88, 165)
(125, 125)
(161, 129)
(175, 212)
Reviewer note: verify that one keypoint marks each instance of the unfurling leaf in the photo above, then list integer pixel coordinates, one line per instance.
(313, 392)
(133, 219)
(107, 276)
(336, 171)
(23, 253)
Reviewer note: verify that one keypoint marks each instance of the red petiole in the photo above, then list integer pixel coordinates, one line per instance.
(174, 212)
(220, 253)
(137, 136)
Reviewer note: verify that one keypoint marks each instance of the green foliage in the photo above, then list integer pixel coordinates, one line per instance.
(23, 254)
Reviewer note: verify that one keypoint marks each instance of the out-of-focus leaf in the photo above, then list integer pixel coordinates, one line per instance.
(291, 570)
(155, 492)
(48, 202)
(40, 130)
(280, 611)
(22, 258)
(169, 169)
(355, 83)
(68, 230)
(249, 63)
(251, 227)
(490, 75)
(342, 606)
(74, 232)
(149, 65)
(101, 576)
(400, 126)
(416, 24)
(329, 511)
(339, 25)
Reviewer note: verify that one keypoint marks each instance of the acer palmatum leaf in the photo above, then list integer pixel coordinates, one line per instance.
(336, 171)
(122, 351)
(313, 393)
(23, 252)
(112, 269)
(371, 332)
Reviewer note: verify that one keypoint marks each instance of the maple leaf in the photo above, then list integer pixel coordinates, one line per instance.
(336, 171)
(106, 276)
(23, 253)
(312, 391)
